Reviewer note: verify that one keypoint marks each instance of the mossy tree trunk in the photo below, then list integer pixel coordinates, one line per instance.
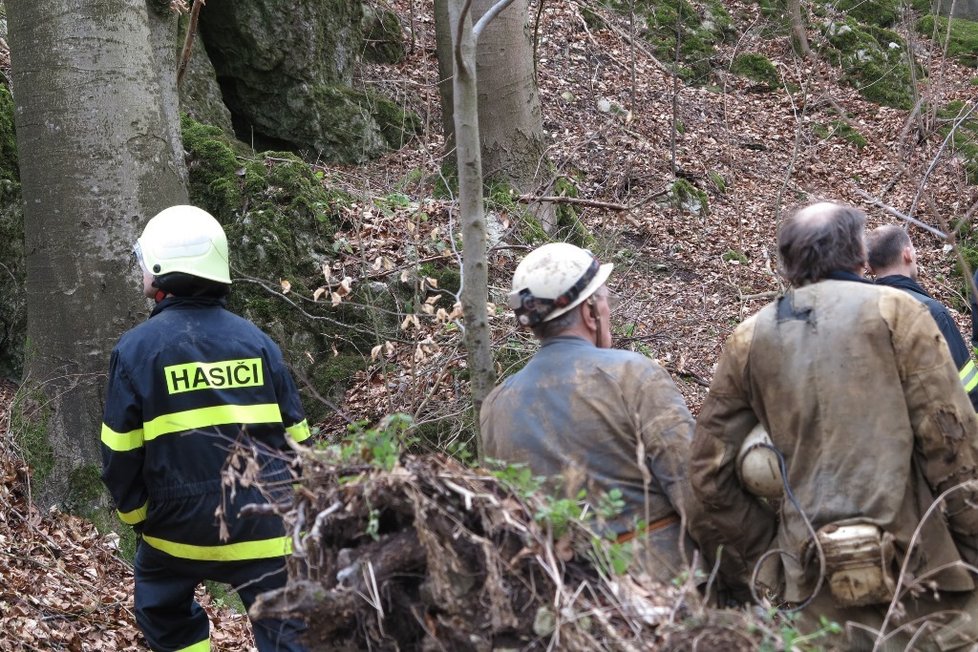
(475, 269)
(98, 157)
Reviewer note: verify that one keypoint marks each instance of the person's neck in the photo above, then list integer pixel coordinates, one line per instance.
(895, 270)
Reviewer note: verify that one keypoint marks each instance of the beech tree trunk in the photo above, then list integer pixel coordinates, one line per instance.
(475, 268)
(512, 141)
(510, 119)
(99, 155)
(798, 29)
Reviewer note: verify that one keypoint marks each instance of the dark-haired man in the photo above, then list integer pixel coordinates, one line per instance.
(861, 399)
(893, 260)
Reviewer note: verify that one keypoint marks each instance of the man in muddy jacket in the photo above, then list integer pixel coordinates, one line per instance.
(858, 393)
(186, 388)
(596, 418)
(893, 260)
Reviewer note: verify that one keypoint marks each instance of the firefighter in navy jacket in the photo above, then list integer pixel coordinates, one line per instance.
(184, 389)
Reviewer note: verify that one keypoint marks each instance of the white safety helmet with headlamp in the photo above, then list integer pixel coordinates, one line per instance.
(184, 239)
(552, 280)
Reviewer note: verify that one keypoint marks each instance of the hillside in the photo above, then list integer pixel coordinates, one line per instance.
(614, 114)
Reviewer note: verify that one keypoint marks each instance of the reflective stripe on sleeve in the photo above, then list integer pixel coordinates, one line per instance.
(300, 431)
(241, 551)
(137, 515)
(218, 415)
(122, 441)
(969, 376)
(202, 646)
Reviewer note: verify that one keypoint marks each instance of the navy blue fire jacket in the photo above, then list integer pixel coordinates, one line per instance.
(959, 350)
(184, 388)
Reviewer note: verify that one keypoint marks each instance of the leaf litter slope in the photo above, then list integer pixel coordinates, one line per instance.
(687, 279)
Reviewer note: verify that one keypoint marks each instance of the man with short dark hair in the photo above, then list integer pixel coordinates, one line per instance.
(893, 260)
(591, 417)
(862, 402)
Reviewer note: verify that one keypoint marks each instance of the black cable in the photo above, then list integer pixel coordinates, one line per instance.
(811, 530)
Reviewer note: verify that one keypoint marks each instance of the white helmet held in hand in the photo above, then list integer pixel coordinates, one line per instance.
(184, 239)
(552, 280)
(758, 466)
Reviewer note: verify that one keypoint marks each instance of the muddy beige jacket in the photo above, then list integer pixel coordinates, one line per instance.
(858, 391)
(599, 419)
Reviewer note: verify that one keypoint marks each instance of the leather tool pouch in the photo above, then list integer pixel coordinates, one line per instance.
(858, 563)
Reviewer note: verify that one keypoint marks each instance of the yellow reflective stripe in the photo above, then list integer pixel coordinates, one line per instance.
(300, 431)
(218, 415)
(969, 376)
(203, 646)
(122, 441)
(244, 550)
(137, 515)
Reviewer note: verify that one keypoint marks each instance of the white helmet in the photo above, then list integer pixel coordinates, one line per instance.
(553, 279)
(184, 239)
(758, 465)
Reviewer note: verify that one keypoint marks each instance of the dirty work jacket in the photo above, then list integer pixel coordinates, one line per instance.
(595, 417)
(857, 389)
(184, 387)
(955, 343)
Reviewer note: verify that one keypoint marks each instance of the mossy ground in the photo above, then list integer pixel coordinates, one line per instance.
(840, 129)
(756, 67)
(964, 140)
(882, 13)
(698, 26)
(873, 60)
(961, 42)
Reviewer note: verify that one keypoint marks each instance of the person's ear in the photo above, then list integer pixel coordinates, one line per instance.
(589, 314)
(908, 256)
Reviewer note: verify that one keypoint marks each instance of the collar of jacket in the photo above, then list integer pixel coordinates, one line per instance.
(903, 283)
(845, 275)
(188, 302)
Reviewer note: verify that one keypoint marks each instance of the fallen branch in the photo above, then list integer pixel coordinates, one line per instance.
(577, 201)
(894, 212)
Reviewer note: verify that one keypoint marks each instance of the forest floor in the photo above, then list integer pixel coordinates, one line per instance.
(614, 117)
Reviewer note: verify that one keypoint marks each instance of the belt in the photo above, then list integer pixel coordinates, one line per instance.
(654, 526)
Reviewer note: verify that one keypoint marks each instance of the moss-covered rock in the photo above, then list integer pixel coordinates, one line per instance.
(873, 60)
(756, 67)
(699, 24)
(687, 197)
(200, 94)
(281, 219)
(962, 41)
(286, 71)
(13, 309)
(881, 13)
(383, 40)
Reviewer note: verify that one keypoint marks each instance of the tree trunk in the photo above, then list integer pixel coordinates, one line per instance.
(475, 270)
(510, 120)
(446, 69)
(98, 157)
(798, 29)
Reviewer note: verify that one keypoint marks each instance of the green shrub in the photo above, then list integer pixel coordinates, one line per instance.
(756, 67)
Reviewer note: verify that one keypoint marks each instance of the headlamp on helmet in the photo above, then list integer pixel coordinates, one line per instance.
(554, 279)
